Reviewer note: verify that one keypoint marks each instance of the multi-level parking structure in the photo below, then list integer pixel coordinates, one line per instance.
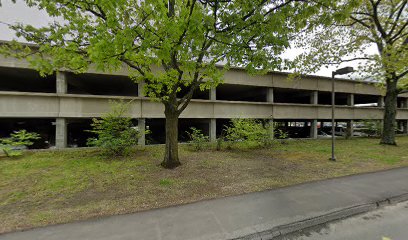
(60, 106)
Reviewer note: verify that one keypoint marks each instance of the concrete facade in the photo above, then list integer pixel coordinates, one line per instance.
(60, 132)
(271, 96)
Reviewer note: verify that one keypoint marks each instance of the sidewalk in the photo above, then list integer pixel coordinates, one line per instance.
(252, 215)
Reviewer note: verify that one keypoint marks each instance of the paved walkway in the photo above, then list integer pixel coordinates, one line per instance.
(233, 217)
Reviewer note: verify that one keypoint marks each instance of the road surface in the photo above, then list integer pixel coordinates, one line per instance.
(386, 223)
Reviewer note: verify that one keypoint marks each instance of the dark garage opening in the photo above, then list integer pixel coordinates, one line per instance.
(186, 123)
(401, 102)
(324, 98)
(293, 128)
(366, 100)
(44, 127)
(284, 95)
(77, 130)
(101, 84)
(26, 80)
(222, 124)
(157, 131)
(198, 94)
(231, 92)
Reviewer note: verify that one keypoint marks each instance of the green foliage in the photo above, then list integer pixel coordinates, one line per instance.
(280, 134)
(249, 131)
(13, 146)
(173, 46)
(115, 132)
(374, 127)
(371, 36)
(198, 139)
(350, 39)
(220, 142)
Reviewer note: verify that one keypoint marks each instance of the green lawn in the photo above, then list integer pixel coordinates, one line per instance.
(51, 187)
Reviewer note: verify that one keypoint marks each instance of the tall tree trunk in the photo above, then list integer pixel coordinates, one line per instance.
(390, 113)
(171, 159)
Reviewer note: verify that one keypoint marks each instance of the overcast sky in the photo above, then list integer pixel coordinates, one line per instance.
(19, 12)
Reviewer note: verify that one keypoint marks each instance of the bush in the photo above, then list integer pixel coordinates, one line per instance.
(197, 139)
(280, 134)
(373, 127)
(249, 131)
(115, 132)
(18, 141)
(220, 140)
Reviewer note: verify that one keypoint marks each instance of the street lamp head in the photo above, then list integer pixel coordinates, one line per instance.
(343, 71)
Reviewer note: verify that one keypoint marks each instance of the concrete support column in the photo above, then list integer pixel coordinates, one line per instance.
(313, 129)
(213, 130)
(350, 100)
(269, 95)
(213, 94)
(272, 128)
(213, 121)
(405, 126)
(314, 98)
(141, 125)
(140, 89)
(61, 84)
(61, 134)
(381, 101)
(350, 129)
(399, 125)
(381, 125)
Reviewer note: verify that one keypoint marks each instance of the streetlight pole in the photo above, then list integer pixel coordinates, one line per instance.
(333, 99)
(340, 71)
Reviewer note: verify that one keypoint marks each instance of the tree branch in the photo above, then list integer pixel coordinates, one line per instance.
(132, 65)
(397, 17)
(377, 21)
(401, 75)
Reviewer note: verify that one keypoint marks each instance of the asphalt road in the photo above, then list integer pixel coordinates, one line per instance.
(386, 223)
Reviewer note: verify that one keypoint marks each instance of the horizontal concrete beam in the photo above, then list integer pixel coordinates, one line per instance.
(324, 84)
(41, 105)
(240, 77)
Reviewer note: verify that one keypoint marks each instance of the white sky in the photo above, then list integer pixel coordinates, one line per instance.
(20, 12)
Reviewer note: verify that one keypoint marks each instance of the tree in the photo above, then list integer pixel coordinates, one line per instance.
(382, 24)
(173, 46)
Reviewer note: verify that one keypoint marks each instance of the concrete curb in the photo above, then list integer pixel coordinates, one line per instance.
(325, 218)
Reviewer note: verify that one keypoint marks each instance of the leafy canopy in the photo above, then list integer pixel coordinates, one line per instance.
(172, 45)
(373, 36)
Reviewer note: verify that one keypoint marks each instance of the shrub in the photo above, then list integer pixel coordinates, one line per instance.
(220, 141)
(115, 132)
(197, 139)
(280, 134)
(249, 131)
(373, 127)
(18, 140)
